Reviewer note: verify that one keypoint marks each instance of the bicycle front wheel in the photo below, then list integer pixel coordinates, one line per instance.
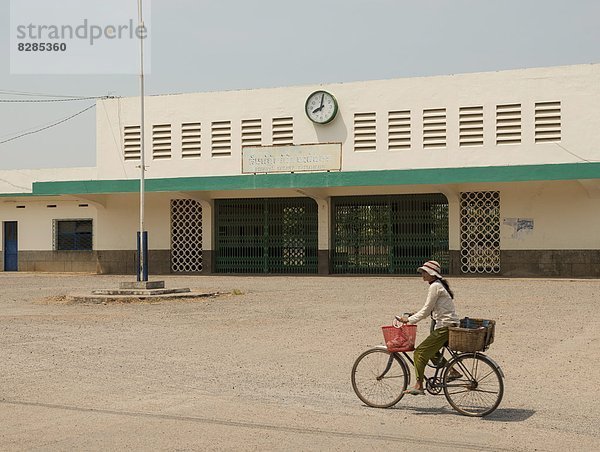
(379, 378)
(479, 389)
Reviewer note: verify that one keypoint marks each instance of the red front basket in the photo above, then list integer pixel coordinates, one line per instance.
(400, 339)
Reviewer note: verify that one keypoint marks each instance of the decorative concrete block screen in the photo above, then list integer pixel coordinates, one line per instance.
(186, 236)
(480, 232)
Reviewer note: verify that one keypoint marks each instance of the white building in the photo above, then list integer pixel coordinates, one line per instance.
(489, 173)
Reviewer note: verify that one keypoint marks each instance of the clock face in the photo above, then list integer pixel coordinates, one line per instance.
(321, 107)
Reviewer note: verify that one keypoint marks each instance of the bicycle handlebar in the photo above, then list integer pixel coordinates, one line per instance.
(397, 322)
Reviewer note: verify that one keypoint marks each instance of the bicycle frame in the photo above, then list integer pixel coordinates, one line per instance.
(432, 381)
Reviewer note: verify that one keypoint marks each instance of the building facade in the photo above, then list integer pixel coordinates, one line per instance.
(488, 173)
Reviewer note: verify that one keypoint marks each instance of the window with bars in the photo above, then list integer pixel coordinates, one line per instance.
(73, 235)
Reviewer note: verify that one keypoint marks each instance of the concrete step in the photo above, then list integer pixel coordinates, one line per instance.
(139, 292)
(142, 285)
(104, 299)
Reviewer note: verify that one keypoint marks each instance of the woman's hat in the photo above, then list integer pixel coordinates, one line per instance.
(431, 267)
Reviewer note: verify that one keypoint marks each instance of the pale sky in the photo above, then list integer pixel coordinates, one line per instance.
(239, 44)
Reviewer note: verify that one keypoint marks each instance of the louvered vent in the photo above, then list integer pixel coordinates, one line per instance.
(399, 130)
(508, 124)
(283, 131)
(221, 139)
(191, 140)
(161, 141)
(251, 132)
(132, 142)
(365, 132)
(547, 121)
(434, 128)
(470, 122)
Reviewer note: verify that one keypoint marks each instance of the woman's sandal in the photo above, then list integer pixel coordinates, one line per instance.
(414, 391)
(454, 375)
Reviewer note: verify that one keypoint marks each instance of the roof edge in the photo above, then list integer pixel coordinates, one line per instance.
(436, 176)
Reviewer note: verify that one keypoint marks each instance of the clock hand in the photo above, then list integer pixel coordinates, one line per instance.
(322, 97)
(318, 109)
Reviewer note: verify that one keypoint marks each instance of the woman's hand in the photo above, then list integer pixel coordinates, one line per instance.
(400, 320)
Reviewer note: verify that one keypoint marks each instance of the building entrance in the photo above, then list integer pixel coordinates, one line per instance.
(388, 234)
(266, 235)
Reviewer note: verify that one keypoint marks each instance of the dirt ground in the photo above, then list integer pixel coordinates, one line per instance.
(269, 368)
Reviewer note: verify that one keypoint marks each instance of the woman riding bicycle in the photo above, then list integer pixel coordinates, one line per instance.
(440, 305)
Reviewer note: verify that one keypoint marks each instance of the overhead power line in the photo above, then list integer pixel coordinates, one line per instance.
(31, 94)
(48, 126)
(573, 154)
(30, 101)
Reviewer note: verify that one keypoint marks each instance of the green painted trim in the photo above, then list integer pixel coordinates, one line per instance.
(16, 195)
(86, 187)
(436, 176)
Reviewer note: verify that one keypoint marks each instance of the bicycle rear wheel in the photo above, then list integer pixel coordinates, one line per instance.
(379, 378)
(479, 389)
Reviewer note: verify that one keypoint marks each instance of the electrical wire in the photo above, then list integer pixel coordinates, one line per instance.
(26, 93)
(575, 155)
(48, 126)
(21, 101)
(20, 187)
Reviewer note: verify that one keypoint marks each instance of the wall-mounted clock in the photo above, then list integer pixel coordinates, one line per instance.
(321, 107)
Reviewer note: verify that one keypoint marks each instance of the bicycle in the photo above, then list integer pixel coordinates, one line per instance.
(380, 377)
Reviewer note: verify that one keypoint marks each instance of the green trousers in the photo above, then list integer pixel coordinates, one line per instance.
(428, 349)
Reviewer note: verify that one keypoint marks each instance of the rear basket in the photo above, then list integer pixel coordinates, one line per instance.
(473, 335)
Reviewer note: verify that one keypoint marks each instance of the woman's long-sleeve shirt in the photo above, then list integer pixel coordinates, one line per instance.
(440, 305)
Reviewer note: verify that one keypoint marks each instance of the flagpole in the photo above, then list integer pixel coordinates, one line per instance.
(142, 239)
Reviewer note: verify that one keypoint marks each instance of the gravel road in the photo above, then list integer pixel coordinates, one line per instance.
(269, 368)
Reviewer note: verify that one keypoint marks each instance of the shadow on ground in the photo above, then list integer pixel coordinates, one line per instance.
(500, 415)
(510, 415)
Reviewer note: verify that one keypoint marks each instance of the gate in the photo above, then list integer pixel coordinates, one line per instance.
(266, 235)
(389, 234)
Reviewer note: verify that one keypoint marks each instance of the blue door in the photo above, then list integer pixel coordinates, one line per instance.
(11, 249)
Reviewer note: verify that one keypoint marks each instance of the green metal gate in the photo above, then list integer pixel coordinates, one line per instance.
(388, 234)
(266, 235)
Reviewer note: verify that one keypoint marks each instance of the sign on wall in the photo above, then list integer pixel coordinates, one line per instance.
(279, 159)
